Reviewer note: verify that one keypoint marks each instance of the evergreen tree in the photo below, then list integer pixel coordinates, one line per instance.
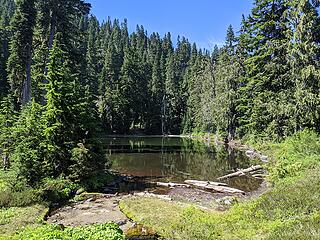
(92, 59)
(58, 127)
(156, 85)
(227, 82)
(57, 18)
(304, 65)
(266, 84)
(6, 13)
(171, 99)
(7, 119)
(19, 62)
(28, 154)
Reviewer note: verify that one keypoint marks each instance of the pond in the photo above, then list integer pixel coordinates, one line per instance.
(175, 159)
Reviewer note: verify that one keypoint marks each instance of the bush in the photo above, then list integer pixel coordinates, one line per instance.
(27, 197)
(57, 190)
(87, 160)
(295, 156)
(98, 181)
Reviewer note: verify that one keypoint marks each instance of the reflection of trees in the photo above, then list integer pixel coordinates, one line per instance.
(204, 162)
(178, 158)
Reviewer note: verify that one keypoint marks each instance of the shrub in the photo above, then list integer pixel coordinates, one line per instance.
(27, 197)
(57, 190)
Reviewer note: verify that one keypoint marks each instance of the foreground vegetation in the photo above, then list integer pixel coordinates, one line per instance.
(290, 210)
(108, 231)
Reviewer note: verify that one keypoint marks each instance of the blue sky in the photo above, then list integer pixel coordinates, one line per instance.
(201, 21)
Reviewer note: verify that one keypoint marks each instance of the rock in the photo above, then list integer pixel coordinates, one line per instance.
(227, 201)
(89, 200)
(250, 153)
(264, 158)
(121, 222)
(80, 190)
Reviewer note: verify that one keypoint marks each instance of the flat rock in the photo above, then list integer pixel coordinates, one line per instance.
(85, 213)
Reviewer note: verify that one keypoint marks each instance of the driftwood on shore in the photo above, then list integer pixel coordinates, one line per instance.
(170, 184)
(206, 185)
(147, 194)
(215, 187)
(193, 182)
(241, 172)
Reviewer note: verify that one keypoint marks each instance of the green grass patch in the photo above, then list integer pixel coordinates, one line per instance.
(27, 224)
(109, 231)
(15, 219)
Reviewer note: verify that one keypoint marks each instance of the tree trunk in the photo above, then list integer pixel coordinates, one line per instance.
(217, 187)
(241, 172)
(26, 90)
(53, 26)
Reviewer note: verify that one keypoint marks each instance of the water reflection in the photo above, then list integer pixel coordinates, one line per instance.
(173, 159)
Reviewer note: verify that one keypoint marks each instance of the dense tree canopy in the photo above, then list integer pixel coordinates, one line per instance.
(65, 78)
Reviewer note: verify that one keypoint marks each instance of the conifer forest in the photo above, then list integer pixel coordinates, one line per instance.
(68, 81)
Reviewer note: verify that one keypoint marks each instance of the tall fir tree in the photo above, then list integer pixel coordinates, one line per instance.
(19, 62)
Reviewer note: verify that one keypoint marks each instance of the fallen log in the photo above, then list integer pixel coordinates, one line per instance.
(170, 184)
(241, 172)
(259, 175)
(193, 182)
(147, 194)
(222, 189)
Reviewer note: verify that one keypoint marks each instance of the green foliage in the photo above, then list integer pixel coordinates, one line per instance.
(57, 190)
(15, 219)
(98, 181)
(87, 161)
(7, 119)
(295, 156)
(27, 155)
(23, 198)
(19, 61)
(109, 231)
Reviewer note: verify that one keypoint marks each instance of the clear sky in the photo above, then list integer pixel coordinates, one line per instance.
(201, 21)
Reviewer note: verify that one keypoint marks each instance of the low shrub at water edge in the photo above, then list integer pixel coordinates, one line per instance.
(57, 190)
(294, 157)
(98, 181)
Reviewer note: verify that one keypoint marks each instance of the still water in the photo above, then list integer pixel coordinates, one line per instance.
(176, 159)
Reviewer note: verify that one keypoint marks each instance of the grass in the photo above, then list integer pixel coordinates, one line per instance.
(108, 231)
(290, 210)
(15, 219)
(26, 223)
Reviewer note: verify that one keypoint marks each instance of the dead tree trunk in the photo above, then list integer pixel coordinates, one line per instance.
(241, 172)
